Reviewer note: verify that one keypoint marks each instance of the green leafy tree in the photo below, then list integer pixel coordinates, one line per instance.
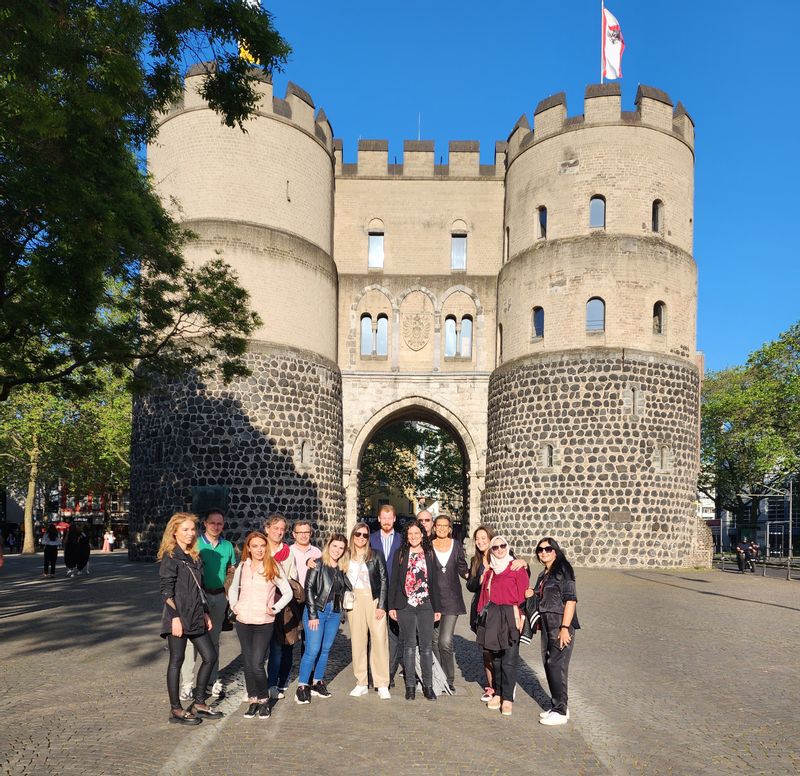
(91, 266)
(750, 433)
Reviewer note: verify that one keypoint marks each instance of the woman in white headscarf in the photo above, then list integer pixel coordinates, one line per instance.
(500, 621)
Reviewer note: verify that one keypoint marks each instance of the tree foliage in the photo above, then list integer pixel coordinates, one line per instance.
(750, 433)
(417, 459)
(91, 266)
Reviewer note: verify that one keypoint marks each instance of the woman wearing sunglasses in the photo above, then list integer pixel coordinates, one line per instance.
(414, 602)
(500, 621)
(557, 602)
(367, 619)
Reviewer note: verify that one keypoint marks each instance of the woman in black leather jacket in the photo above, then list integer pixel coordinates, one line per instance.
(366, 572)
(325, 587)
(414, 603)
(556, 600)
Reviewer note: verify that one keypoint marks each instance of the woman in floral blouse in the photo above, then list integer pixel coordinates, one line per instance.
(414, 603)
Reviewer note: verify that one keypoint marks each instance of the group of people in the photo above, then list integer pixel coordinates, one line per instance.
(747, 553)
(401, 594)
(76, 551)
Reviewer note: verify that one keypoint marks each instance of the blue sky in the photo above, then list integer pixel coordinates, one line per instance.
(471, 68)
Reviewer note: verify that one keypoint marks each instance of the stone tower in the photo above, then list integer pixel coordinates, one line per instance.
(593, 408)
(541, 309)
(262, 201)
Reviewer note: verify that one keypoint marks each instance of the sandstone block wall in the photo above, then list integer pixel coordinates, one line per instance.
(274, 439)
(618, 484)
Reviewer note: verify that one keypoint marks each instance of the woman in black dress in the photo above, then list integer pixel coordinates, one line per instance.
(185, 615)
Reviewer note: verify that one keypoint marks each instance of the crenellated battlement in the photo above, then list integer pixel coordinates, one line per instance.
(602, 107)
(296, 106)
(419, 160)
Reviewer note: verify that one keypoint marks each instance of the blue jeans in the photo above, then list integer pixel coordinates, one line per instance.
(279, 664)
(318, 644)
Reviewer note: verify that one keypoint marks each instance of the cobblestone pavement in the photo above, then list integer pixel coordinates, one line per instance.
(674, 672)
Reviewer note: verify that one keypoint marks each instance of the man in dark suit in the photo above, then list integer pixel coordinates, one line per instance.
(386, 541)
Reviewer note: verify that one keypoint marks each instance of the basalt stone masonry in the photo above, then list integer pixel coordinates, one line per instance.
(582, 447)
(273, 439)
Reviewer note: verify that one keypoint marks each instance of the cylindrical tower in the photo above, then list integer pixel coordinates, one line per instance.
(593, 408)
(263, 201)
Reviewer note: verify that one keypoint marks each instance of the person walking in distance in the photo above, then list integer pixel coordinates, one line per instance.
(218, 555)
(386, 542)
(252, 599)
(557, 602)
(325, 587)
(284, 636)
(414, 603)
(369, 581)
(452, 565)
(185, 615)
(51, 543)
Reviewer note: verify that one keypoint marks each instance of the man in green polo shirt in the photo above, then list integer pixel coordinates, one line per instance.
(217, 554)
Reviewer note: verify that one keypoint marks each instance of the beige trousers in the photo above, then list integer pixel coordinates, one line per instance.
(362, 622)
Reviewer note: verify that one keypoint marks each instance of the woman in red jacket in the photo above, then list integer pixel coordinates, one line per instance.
(500, 621)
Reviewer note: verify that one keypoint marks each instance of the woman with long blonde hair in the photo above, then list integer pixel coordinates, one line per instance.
(368, 577)
(185, 615)
(251, 598)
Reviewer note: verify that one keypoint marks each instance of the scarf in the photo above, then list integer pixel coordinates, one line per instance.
(499, 565)
(282, 554)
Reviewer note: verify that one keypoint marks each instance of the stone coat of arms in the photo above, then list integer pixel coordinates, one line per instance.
(416, 330)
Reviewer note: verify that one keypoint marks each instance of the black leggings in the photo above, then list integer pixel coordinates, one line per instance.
(50, 556)
(177, 648)
(255, 640)
(416, 623)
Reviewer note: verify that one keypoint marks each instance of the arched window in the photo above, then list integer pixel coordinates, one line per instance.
(450, 339)
(499, 343)
(658, 216)
(538, 321)
(375, 245)
(597, 212)
(595, 314)
(547, 456)
(382, 336)
(305, 452)
(465, 337)
(366, 335)
(659, 318)
(541, 223)
(663, 457)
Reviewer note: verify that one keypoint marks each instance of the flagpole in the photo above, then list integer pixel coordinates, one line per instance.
(602, 38)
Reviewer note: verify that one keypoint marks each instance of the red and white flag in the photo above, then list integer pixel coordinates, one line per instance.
(613, 46)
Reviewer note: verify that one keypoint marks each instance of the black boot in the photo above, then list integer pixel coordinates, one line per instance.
(411, 692)
(428, 693)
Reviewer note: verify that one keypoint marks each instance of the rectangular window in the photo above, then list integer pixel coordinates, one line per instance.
(375, 250)
(458, 251)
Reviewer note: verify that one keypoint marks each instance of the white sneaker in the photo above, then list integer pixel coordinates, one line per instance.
(187, 692)
(362, 689)
(217, 689)
(554, 718)
(282, 693)
(273, 693)
(69, 573)
(543, 714)
(383, 693)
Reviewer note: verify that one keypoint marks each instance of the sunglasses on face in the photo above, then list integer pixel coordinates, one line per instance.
(543, 550)
(499, 546)
(361, 534)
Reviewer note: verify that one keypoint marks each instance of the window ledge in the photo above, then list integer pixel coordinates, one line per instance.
(377, 270)
(458, 359)
(459, 270)
(374, 358)
(597, 333)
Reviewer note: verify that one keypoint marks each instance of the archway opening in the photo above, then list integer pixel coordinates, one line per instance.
(415, 461)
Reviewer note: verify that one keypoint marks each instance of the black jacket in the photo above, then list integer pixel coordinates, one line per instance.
(179, 577)
(449, 580)
(557, 590)
(319, 582)
(397, 593)
(378, 579)
(474, 587)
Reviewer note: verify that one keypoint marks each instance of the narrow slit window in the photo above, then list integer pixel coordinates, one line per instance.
(458, 251)
(450, 340)
(506, 246)
(375, 260)
(547, 457)
(382, 336)
(538, 322)
(465, 337)
(597, 212)
(541, 223)
(366, 335)
(499, 343)
(595, 314)
(658, 216)
(659, 317)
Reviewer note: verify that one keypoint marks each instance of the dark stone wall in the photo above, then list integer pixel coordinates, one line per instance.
(623, 429)
(247, 436)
